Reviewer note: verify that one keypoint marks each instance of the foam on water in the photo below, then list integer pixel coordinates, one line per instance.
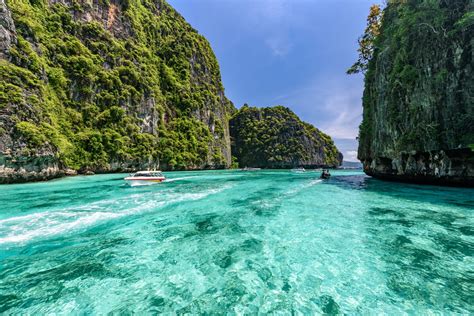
(216, 242)
(20, 229)
(25, 228)
(179, 178)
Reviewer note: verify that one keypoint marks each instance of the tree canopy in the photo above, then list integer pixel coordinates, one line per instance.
(367, 40)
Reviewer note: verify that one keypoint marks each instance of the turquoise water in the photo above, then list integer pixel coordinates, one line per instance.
(236, 242)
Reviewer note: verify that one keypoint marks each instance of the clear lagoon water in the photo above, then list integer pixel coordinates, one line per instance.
(236, 242)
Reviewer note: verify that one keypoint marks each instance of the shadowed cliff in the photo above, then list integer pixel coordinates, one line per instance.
(419, 94)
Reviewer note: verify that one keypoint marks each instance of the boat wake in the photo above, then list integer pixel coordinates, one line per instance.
(141, 184)
(304, 186)
(178, 179)
(22, 229)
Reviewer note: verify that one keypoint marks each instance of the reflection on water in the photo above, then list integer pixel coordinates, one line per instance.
(255, 242)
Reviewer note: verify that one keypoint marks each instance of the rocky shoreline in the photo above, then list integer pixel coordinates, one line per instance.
(44, 168)
(453, 167)
(27, 169)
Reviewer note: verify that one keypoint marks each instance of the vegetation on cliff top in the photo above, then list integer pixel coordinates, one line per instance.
(367, 40)
(276, 138)
(127, 87)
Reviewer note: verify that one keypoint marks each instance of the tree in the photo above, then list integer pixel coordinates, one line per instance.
(366, 41)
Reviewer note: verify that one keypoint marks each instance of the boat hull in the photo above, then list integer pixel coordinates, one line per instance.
(142, 181)
(298, 170)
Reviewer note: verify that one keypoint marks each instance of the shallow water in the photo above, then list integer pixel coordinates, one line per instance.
(236, 242)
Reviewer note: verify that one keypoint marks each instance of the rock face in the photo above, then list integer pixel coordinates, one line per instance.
(418, 121)
(7, 30)
(276, 138)
(22, 169)
(104, 86)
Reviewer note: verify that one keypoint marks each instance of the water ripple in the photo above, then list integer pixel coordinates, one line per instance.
(267, 242)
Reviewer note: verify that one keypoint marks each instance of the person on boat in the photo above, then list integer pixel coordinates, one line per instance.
(325, 174)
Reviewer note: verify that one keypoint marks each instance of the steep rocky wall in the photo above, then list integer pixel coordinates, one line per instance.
(7, 30)
(276, 138)
(27, 168)
(419, 95)
(106, 86)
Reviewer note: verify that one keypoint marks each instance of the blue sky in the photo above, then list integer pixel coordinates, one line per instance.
(289, 52)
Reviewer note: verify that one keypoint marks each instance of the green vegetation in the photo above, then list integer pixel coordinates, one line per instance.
(419, 79)
(367, 41)
(32, 133)
(276, 138)
(133, 88)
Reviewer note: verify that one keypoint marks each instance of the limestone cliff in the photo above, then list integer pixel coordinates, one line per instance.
(418, 121)
(106, 86)
(7, 30)
(276, 138)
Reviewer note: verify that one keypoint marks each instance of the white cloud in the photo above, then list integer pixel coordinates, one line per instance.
(279, 45)
(345, 112)
(270, 10)
(272, 19)
(333, 105)
(350, 155)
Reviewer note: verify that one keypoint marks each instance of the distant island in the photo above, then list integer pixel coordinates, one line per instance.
(351, 165)
(276, 138)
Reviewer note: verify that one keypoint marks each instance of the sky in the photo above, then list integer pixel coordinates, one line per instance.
(289, 52)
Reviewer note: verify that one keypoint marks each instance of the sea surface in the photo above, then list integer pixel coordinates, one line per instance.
(235, 242)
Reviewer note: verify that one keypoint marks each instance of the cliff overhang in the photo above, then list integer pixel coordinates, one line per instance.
(454, 167)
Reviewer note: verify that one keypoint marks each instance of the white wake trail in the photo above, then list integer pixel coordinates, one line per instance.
(21, 229)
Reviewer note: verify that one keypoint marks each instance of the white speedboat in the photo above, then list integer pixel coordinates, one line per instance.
(250, 169)
(298, 170)
(145, 177)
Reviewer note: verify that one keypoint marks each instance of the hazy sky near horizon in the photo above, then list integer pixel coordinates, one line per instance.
(289, 52)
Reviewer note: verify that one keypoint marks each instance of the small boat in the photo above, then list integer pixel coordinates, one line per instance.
(145, 177)
(250, 169)
(298, 170)
(325, 174)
